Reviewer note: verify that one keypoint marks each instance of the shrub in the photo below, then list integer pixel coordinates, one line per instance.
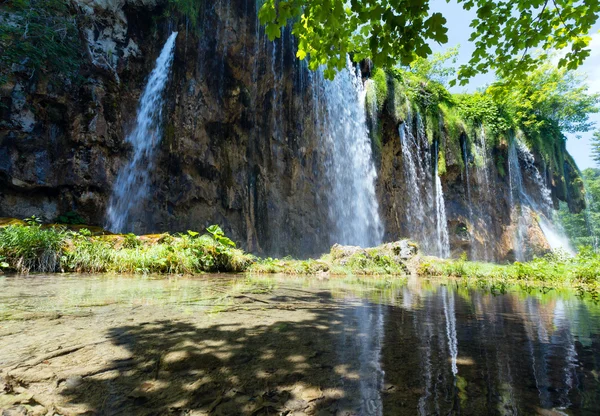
(31, 248)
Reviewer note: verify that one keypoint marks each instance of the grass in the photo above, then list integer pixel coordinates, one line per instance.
(26, 248)
(340, 261)
(581, 272)
(33, 248)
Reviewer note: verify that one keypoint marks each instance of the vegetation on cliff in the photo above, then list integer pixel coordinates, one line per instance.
(539, 109)
(39, 36)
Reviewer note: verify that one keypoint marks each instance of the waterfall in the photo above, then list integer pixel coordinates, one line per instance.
(484, 191)
(523, 204)
(516, 207)
(425, 206)
(131, 186)
(443, 239)
(353, 205)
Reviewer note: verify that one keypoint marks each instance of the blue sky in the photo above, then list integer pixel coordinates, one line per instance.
(458, 34)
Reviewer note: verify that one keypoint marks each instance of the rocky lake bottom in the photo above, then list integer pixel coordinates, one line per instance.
(248, 345)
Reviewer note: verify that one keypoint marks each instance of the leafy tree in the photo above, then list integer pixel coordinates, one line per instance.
(549, 97)
(438, 68)
(507, 33)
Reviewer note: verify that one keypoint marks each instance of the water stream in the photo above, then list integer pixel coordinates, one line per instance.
(425, 205)
(353, 205)
(526, 208)
(131, 186)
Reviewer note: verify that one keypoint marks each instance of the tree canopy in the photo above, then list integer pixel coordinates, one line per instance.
(511, 37)
(549, 97)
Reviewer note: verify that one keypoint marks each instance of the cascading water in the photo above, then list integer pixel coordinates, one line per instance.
(425, 210)
(515, 199)
(443, 239)
(131, 186)
(523, 205)
(485, 197)
(353, 205)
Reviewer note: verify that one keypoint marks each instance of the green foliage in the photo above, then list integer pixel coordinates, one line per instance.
(188, 8)
(506, 34)
(70, 218)
(438, 68)
(219, 236)
(38, 36)
(37, 249)
(131, 241)
(482, 109)
(595, 143)
(552, 270)
(33, 220)
(381, 87)
(328, 31)
(376, 261)
(32, 247)
(583, 229)
(548, 98)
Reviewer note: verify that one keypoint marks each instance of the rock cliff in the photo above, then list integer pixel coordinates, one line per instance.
(242, 142)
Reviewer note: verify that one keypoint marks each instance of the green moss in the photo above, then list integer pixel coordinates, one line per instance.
(190, 9)
(380, 81)
(441, 163)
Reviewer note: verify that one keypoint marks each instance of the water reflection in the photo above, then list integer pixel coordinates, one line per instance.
(338, 346)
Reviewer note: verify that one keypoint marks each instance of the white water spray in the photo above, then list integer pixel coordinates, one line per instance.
(425, 210)
(354, 209)
(443, 239)
(131, 186)
(523, 204)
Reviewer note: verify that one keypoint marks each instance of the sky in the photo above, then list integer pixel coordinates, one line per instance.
(458, 34)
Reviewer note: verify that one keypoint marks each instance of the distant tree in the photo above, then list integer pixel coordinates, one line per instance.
(583, 229)
(439, 67)
(595, 142)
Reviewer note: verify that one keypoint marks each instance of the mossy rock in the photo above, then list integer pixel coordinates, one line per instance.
(97, 231)
(152, 239)
(5, 222)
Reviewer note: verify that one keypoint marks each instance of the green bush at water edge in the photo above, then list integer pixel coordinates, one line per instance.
(33, 248)
(581, 271)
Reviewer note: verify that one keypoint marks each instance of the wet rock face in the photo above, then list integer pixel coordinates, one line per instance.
(239, 148)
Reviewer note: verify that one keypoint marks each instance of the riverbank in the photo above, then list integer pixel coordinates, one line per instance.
(33, 248)
(580, 272)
